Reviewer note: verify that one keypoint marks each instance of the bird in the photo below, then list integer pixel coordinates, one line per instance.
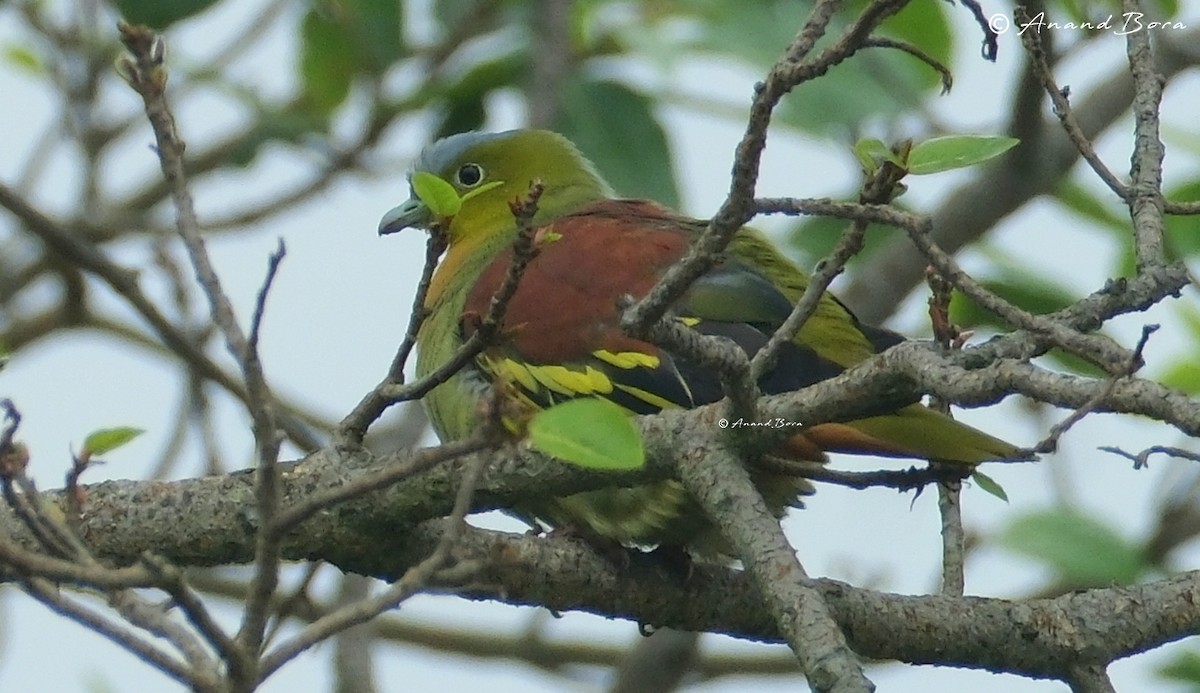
(561, 336)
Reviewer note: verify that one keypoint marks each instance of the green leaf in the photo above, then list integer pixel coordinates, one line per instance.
(483, 77)
(275, 125)
(589, 432)
(956, 151)
(108, 439)
(988, 484)
(461, 115)
(927, 25)
(1030, 292)
(378, 30)
(1183, 230)
(816, 237)
(25, 58)
(1092, 207)
(464, 97)
(439, 196)
(871, 153)
(159, 14)
(616, 128)
(328, 62)
(1183, 373)
(1169, 9)
(452, 13)
(1184, 668)
(1083, 551)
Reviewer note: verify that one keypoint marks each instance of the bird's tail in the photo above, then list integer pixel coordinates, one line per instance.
(914, 431)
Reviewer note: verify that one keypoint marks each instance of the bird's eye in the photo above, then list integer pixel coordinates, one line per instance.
(469, 175)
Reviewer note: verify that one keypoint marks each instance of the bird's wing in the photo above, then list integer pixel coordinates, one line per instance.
(561, 336)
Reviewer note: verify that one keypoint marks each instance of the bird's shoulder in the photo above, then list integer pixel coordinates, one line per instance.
(566, 303)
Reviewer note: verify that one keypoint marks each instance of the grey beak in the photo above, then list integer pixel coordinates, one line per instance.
(413, 213)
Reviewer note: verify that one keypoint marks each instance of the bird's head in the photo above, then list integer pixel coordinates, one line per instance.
(486, 171)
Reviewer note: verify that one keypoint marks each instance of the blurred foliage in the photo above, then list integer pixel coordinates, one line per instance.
(1184, 373)
(480, 48)
(1082, 551)
(1184, 668)
(160, 15)
(608, 121)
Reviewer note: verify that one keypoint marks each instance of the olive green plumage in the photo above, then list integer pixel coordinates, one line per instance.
(561, 336)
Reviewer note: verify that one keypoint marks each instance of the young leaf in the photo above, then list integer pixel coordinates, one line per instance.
(590, 432)
(955, 151)
(871, 152)
(109, 439)
(988, 484)
(439, 196)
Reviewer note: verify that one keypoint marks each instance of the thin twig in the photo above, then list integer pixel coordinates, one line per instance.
(942, 70)
(879, 188)
(717, 354)
(147, 74)
(391, 391)
(266, 487)
(1145, 175)
(354, 426)
(156, 620)
(285, 607)
(434, 247)
(171, 580)
(900, 480)
(1050, 442)
(412, 581)
(124, 282)
(25, 563)
(1095, 348)
(1032, 40)
(949, 487)
(1141, 460)
(288, 518)
(58, 602)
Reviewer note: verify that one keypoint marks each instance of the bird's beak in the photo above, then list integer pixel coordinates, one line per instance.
(413, 213)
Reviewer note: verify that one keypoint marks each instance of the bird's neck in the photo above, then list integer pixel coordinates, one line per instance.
(470, 252)
(465, 259)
